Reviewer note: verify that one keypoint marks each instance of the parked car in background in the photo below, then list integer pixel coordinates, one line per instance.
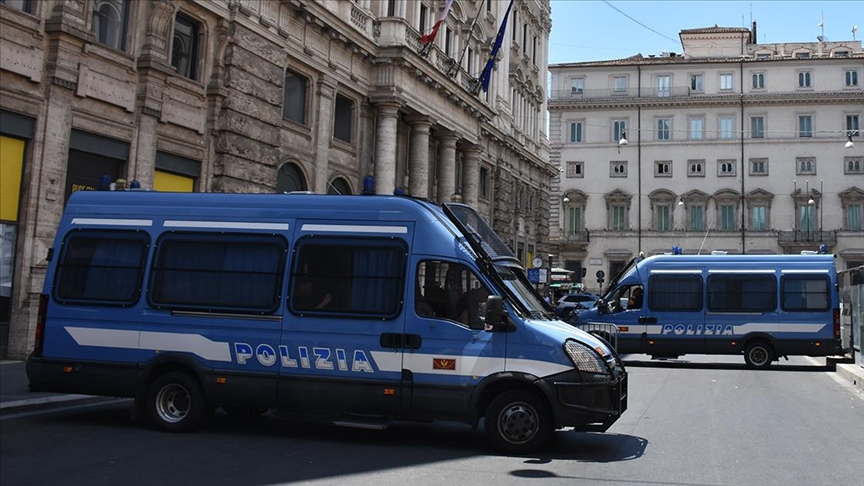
(569, 302)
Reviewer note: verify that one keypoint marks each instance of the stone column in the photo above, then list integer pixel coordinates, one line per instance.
(387, 114)
(471, 175)
(446, 166)
(418, 158)
(324, 132)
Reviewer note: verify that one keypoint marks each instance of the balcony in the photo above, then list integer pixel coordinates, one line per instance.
(575, 241)
(791, 238)
(574, 94)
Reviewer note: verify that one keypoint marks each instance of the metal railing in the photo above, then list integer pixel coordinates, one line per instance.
(799, 236)
(577, 94)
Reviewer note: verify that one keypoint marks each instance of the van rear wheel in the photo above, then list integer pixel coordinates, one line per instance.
(175, 403)
(758, 355)
(518, 422)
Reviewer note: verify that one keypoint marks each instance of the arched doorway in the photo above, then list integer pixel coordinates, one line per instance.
(290, 179)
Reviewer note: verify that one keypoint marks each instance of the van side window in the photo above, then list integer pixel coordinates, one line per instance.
(742, 293)
(363, 277)
(102, 266)
(805, 292)
(675, 293)
(218, 272)
(450, 291)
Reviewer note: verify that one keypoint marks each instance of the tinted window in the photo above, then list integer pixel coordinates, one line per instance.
(742, 293)
(233, 272)
(450, 291)
(675, 292)
(348, 276)
(102, 266)
(805, 292)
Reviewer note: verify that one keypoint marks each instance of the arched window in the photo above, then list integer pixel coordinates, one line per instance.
(109, 22)
(290, 179)
(339, 186)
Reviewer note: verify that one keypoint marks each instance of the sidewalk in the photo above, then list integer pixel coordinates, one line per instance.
(15, 394)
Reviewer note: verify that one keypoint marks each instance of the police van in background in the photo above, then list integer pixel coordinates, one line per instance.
(764, 306)
(359, 310)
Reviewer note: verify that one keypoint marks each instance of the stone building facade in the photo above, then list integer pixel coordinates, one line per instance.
(730, 145)
(265, 96)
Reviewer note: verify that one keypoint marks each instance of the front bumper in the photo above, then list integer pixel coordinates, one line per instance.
(588, 406)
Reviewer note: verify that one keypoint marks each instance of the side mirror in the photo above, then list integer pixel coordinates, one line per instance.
(496, 317)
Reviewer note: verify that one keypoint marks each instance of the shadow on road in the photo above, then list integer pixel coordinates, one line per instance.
(647, 362)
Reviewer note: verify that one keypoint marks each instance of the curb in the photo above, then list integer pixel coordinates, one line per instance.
(48, 402)
(853, 373)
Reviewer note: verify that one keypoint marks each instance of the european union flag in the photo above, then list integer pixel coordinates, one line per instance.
(490, 64)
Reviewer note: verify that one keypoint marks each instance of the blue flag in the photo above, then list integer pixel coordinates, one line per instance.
(486, 76)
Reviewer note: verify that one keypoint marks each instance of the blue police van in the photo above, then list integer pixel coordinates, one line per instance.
(762, 306)
(358, 310)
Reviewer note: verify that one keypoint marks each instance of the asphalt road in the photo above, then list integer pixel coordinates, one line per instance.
(706, 421)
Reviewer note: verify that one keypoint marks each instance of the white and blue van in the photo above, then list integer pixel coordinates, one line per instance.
(764, 306)
(358, 310)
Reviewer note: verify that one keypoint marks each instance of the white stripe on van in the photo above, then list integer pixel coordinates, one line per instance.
(154, 341)
(739, 329)
(792, 270)
(354, 228)
(465, 365)
(113, 222)
(723, 270)
(225, 225)
(687, 272)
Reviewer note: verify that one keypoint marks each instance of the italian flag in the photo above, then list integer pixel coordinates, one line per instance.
(428, 38)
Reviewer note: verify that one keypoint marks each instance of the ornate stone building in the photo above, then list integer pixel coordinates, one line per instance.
(265, 96)
(730, 145)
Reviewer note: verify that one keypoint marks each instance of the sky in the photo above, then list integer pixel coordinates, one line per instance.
(589, 30)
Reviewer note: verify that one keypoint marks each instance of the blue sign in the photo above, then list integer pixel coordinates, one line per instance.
(534, 275)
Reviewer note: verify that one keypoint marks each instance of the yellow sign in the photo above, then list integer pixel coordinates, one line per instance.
(167, 182)
(11, 164)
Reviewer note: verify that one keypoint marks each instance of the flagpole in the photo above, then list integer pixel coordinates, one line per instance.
(467, 43)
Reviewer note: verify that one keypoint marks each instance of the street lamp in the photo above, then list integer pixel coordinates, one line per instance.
(622, 142)
(849, 144)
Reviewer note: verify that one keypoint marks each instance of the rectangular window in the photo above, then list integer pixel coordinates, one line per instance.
(110, 20)
(104, 267)
(742, 293)
(804, 80)
(424, 14)
(697, 128)
(24, 5)
(805, 292)
(219, 272)
(757, 127)
(696, 168)
(577, 85)
(853, 217)
(758, 80)
(576, 135)
(805, 125)
(484, 182)
(675, 293)
(620, 83)
(619, 218)
(726, 83)
(853, 165)
(758, 167)
(852, 126)
(696, 82)
(184, 47)
(664, 86)
(361, 277)
(664, 129)
(727, 217)
(618, 168)
(574, 169)
(851, 78)
(697, 218)
(663, 220)
(574, 220)
(805, 165)
(343, 119)
(726, 167)
(758, 213)
(619, 127)
(448, 41)
(805, 218)
(294, 98)
(727, 127)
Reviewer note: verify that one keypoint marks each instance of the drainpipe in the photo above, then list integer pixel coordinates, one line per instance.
(743, 172)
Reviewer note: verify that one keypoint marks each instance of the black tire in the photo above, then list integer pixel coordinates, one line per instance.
(518, 422)
(244, 411)
(758, 355)
(175, 403)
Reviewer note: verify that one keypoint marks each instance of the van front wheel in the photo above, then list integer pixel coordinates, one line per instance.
(175, 403)
(518, 422)
(758, 355)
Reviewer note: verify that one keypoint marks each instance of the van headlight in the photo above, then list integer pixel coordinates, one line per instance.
(586, 360)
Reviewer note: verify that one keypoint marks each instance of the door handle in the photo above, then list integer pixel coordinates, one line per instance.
(647, 320)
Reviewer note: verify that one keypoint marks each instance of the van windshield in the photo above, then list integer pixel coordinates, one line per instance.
(526, 295)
